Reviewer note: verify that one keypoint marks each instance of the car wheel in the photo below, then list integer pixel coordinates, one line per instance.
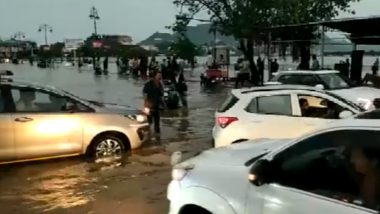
(108, 146)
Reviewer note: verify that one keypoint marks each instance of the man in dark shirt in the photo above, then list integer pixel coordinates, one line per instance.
(181, 86)
(153, 93)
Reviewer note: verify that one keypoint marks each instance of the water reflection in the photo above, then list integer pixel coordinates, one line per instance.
(66, 184)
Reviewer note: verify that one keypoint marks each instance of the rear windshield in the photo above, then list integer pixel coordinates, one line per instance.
(228, 103)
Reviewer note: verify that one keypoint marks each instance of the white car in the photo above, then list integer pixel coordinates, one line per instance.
(317, 173)
(334, 81)
(275, 112)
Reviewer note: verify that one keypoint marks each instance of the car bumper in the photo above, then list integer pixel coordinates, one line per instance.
(174, 196)
(141, 134)
(221, 137)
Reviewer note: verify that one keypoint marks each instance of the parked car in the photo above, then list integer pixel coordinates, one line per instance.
(328, 171)
(335, 82)
(277, 111)
(41, 122)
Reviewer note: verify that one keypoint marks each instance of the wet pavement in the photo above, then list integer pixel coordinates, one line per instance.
(137, 183)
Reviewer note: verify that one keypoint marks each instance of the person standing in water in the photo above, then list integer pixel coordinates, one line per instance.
(153, 98)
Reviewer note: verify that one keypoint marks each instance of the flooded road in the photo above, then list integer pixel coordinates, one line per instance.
(137, 183)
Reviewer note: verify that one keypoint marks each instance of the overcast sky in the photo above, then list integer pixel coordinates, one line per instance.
(69, 18)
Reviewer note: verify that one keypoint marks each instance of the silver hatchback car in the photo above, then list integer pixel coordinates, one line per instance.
(40, 122)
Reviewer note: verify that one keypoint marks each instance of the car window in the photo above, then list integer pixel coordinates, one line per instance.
(33, 100)
(277, 105)
(333, 165)
(335, 81)
(299, 79)
(228, 103)
(252, 106)
(317, 107)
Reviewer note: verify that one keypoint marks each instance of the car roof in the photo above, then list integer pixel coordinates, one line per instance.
(30, 84)
(270, 88)
(307, 72)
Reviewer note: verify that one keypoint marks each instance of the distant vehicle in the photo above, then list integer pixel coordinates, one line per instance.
(277, 111)
(41, 122)
(333, 81)
(317, 173)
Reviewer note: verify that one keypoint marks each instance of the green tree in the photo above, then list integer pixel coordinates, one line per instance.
(184, 49)
(249, 20)
(243, 19)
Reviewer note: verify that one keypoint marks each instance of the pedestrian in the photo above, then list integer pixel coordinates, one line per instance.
(210, 61)
(244, 73)
(275, 66)
(163, 68)
(153, 98)
(375, 67)
(153, 65)
(97, 68)
(144, 67)
(238, 67)
(135, 67)
(181, 86)
(174, 67)
(261, 67)
(118, 65)
(105, 65)
(168, 68)
(315, 64)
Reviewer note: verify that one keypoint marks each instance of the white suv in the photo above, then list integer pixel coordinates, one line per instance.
(277, 111)
(333, 81)
(334, 170)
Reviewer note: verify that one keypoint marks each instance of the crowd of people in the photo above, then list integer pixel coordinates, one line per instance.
(143, 67)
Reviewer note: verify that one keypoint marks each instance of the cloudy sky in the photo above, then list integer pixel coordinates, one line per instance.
(69, 18)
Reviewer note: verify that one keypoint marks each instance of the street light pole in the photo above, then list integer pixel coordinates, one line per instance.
(94, 15)
(46, 28)
(19, 36)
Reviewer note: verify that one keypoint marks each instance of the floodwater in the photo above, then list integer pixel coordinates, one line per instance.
(135, 184)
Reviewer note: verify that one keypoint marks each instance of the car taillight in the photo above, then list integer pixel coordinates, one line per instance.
(225, 121)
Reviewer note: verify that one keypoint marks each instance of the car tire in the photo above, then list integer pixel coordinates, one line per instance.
(191, 209)
(107, 146)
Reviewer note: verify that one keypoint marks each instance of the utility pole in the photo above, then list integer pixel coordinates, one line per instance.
(45, 28)
(94, 15)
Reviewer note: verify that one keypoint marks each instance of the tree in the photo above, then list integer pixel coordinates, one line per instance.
(243, 19)
(184, 49)
(249, 20)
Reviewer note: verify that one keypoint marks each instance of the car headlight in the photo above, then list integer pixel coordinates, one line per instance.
(365, 103)
(139, 118)
(178, 174)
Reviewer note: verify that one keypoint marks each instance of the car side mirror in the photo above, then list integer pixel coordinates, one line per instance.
(320, 86)
(260, 172)
(345, 114)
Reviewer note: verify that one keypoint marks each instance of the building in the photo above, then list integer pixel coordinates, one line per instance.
(118, 39)
(11, 48)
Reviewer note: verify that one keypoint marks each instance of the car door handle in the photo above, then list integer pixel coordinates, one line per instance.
(23, 119)
(256, 121)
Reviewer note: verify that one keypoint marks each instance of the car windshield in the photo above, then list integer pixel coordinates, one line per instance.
(347, 102)
(335, 81)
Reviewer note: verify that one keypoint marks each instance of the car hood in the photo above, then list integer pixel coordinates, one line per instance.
(236, 154)
(353, 94)
(118, 109)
